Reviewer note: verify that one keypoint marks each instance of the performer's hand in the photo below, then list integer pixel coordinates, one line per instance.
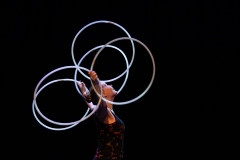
(82, 87)
(93, 75)
(85, 91)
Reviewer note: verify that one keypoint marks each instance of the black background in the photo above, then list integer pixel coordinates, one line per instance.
(192, 106)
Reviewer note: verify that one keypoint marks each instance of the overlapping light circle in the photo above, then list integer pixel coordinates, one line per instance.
(78, 68)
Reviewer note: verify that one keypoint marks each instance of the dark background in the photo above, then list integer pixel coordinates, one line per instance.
(192, 106)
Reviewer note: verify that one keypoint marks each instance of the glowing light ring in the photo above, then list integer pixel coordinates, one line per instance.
(51, 128)
(153, 75)
(49, 120)
(75, 75)
(109, 22)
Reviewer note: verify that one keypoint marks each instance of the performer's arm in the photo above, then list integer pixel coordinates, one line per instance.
(102, 109)
(86, 94)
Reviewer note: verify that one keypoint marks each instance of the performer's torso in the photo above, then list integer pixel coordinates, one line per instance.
(110, 140)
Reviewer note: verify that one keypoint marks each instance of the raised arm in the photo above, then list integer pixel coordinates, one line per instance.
(86, 94)
(102, 109)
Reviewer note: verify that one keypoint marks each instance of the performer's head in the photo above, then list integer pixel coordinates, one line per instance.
(108, 93)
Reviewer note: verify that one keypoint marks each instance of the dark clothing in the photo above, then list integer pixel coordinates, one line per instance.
(110, 140)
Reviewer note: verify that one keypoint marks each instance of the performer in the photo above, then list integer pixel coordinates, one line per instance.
(109, 126)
